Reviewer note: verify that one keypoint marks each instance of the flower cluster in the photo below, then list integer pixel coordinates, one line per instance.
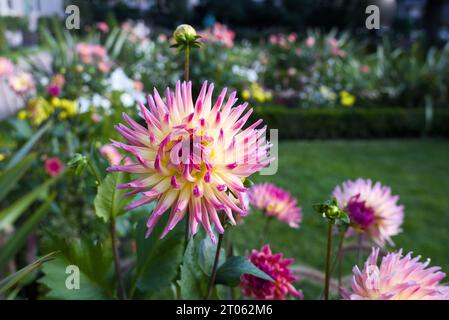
(218, 33)
(39, 109)
(397, 278)
(282, 40)
(277, 267)
(372, 209)
(94, 54)
(192, 156)
(276, 202)
(257, 93)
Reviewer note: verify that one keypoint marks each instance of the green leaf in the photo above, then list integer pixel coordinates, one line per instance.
(9, 215)
(232, 270)
(110, 201)
(95, 271)
(13, 245)
(157, 259)
(27, 146)
(13, 279)
(9, 178)
(196, 268)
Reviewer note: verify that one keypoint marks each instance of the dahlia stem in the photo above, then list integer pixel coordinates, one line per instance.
(115, 254)
(265, 229)
(215, 267)
(187, 64)
(360, 249)
(328, 262)
(94, 170)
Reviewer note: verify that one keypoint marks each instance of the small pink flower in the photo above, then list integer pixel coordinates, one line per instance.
(96, 118)
(364, 68)
(53, 166)
(104, 67)
(162, 38)
(21, 83)
(277, 268)
(6, 67)
(99, 51)
(310, 42)
(53, 90)
(291, 71)
(138, 85)
(397, 278)
(103, 27)
(276, 202)
(292, 37)
(114, 157)
(273, 39)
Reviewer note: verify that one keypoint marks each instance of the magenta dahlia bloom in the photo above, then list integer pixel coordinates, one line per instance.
(277, 268)
(192, 156)
(372, 209)
(53, 166)
(276, 202)
(397, 278)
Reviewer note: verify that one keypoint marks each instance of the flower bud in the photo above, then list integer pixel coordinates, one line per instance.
(184, 33)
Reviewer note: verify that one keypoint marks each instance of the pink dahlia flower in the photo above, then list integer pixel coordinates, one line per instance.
(112, 155)
(372, 209)
(310, 42)
(397, 278)
(278, 269)
(21, 83)
(192, 156)
(276, 202)
(6, 67)
(53, 166)
(103, 27)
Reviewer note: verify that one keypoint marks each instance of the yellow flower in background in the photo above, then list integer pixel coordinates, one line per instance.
(347, 99)
(38, 109)
(246, 94)
(257, 93)
(2, 157)
(22, 115)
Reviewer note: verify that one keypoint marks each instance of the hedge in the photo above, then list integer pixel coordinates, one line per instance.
(354, 123)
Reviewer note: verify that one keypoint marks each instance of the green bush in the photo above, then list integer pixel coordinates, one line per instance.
(356, 123)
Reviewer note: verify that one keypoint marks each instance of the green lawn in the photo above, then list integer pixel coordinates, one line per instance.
(417, 170)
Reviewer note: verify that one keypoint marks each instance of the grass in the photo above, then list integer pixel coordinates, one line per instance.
(417, 170)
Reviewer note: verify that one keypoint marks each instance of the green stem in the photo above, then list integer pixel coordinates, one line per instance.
(360, 250)
(115, 254)
(265, 229)
(94, 170)
(328, 262)
(215, 267)
(187, 64)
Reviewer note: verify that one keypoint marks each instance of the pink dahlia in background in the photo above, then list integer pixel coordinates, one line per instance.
(103, 27)
(397, 278)
(192, 156)
(372, 209)
(218, 33)
(277, 268)
(112, 155)
(6, 67)
(276, 202)
(21, 83)
(53, 90)
(53, 166)
(310, 42)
